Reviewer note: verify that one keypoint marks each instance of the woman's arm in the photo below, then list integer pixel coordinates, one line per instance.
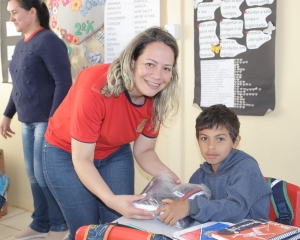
(147, 158)
(56, 59)
(83, 160)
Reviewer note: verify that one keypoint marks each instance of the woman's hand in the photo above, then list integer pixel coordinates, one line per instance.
(5, 129)
(123, 204)
(174, 177)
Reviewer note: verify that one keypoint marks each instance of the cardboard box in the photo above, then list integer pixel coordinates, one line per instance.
(2, 169)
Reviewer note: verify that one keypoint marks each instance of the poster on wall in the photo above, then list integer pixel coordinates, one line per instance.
(8, 39)
(234, 42)
(112, 22)
(124, 19)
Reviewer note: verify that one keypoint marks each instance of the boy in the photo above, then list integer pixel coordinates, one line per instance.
(238, 187)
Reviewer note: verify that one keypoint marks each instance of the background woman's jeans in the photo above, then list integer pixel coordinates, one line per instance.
(46, 215)
(79, 206)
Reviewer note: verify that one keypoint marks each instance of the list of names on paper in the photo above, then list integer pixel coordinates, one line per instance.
(124, 19)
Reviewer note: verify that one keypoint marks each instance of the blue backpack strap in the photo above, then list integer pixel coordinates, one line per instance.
(280, 200)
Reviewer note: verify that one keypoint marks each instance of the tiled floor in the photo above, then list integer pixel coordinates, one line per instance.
(14, 221)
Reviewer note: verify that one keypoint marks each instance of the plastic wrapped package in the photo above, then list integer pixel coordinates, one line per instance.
(163, 186)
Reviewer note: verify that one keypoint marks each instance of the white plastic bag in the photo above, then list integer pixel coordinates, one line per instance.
(163, 186)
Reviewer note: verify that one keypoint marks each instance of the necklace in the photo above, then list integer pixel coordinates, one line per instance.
(138, 100)
(142, 100)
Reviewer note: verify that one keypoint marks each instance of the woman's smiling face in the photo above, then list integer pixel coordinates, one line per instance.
(152, 69)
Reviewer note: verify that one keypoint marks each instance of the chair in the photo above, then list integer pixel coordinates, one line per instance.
(293, 192)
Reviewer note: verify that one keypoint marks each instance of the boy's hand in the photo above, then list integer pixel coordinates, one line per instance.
(173, 211)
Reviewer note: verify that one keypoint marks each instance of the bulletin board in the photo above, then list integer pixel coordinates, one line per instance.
(234, 42)
(85, 26)
(76, 20)
(97, 31)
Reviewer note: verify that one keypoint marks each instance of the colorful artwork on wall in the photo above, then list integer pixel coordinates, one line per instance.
(76, 20)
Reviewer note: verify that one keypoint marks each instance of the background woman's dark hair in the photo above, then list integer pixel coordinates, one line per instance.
(41, 9)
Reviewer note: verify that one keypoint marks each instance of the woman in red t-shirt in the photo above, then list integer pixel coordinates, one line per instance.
(88, 161)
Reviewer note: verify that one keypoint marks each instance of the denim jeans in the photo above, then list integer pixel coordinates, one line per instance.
(79, 206)
(47, 214)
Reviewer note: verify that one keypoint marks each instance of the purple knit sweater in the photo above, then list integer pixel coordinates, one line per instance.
(41, 76)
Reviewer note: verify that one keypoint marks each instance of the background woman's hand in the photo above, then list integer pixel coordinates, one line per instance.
(123, 204)
(5, 127)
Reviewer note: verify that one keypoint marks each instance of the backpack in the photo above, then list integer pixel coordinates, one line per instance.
(280, 201)
(115, 231)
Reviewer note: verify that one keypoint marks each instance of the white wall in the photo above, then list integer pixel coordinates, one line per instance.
(272, 139)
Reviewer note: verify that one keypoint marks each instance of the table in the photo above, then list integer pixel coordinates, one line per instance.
(154, 226)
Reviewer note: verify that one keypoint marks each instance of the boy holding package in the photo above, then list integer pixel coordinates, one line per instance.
(239, 190)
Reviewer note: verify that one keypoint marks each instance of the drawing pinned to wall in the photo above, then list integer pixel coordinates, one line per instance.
(92, 54)
(235, 54)
(70, 49)
(95, 58)
(100, 37)
(75, 62)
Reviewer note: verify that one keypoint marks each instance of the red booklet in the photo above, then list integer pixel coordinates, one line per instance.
(256, 229)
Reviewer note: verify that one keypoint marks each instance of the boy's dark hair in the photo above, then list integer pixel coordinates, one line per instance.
(218, 116)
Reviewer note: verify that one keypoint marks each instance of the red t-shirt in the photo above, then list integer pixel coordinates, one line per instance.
(88, 116)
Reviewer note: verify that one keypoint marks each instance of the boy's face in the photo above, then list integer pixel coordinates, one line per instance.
(215, 145)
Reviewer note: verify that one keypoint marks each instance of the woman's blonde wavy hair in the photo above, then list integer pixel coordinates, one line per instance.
(120, 75)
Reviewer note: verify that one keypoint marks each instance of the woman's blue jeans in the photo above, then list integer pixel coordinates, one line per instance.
(46, 215)
(79, 206)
